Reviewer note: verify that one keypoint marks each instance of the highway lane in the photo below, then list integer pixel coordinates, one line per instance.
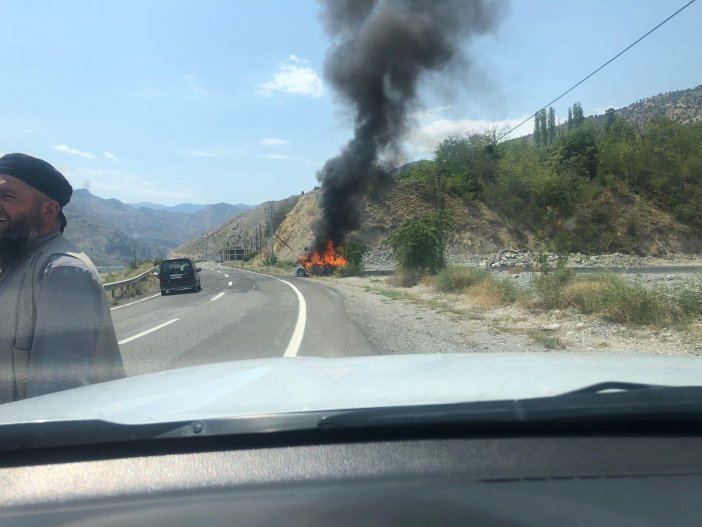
(237, 315)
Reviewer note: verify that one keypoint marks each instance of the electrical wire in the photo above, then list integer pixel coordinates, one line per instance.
(598, 69)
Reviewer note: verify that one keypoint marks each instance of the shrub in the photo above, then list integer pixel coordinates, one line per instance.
(350, 269)
(493, 292)
(404, 278)
(611, 297)
(420, 243)
(623, 302)
(458, 279)
(549, 287)
(354, 251)
(585, 295)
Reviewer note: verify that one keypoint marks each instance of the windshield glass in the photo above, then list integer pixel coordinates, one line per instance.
(420, 202)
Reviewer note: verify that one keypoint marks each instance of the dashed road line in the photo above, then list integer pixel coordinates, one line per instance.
(217, 297)
(139, 335)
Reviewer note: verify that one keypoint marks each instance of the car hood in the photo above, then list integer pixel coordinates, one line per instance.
(284, 385)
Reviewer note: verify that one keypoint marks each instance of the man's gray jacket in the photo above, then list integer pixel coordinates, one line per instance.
(56, 331)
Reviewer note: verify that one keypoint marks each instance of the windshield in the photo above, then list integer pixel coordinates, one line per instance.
(218, 209)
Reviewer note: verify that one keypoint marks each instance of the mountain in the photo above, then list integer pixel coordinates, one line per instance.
(110, 231)
(247, 229)
(191, 208)
(187, 208)
(682, 106)
(632, 212)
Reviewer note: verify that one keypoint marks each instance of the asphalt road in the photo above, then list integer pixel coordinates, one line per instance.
(237, 315)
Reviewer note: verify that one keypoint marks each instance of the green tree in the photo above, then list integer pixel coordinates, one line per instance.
(541, 134)
(354, 251)
(578, 116)
(419, 244)
(609, 119)
(466, 164)
(578, 153)
(551, 127)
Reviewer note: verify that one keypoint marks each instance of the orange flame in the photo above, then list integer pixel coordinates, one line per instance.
(328, 260)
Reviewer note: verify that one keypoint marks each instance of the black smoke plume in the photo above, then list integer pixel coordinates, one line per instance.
(380, 50)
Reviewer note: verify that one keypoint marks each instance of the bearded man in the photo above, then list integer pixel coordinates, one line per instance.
(56, 331)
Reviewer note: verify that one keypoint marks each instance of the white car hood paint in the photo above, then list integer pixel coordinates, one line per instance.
(267, 386)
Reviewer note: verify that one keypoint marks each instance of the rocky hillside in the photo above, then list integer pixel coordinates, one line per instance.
(640, 229)
(683, 106)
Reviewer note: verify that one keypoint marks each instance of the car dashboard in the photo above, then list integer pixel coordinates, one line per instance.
(361, 478)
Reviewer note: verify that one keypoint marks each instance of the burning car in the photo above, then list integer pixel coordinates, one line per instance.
(319, 263)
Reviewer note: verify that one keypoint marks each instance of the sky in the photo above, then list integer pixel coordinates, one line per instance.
(225, 101)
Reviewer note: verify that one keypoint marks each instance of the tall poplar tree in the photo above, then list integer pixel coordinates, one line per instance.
(551, 128)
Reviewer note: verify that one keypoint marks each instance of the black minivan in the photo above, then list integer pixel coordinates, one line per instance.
(179, 274)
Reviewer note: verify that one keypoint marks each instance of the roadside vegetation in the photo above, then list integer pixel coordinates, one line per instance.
(353, 251)
(128, 272)
(608, 296)
(568, 182)
(132, 271)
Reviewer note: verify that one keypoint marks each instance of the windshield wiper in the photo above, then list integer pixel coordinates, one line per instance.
(599, 402)
(616, 385)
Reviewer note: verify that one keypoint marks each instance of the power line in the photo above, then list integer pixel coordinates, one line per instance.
(598, 69)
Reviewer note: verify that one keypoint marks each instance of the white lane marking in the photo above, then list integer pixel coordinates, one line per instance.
(217, 297)
(230, 284)
(226, 276)
(299, 331)
(132, 303)
(139, 335)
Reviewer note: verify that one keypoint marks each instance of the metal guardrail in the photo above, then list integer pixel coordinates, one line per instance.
(124, 285)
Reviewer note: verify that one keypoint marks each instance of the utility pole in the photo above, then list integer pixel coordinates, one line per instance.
(270, 229)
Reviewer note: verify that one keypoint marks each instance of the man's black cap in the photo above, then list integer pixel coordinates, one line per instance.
(40, 175)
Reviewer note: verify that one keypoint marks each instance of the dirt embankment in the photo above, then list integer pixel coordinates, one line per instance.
(636, 227)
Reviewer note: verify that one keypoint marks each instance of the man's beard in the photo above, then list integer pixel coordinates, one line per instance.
(22, 232)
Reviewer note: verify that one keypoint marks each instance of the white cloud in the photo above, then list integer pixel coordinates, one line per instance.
(127, 187)
(432, 128)
(602, 109)
(110, 156)
(273, 141)
(295, 58)
(295, 79)
(275, 156)
(211, 153)
(73, 151)
(190, 81)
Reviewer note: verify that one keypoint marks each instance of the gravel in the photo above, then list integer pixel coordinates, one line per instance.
(528, 260)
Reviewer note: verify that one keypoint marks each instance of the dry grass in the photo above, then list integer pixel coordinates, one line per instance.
(584, 295)
(404, 278)
(492, 293)
(478, 285)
